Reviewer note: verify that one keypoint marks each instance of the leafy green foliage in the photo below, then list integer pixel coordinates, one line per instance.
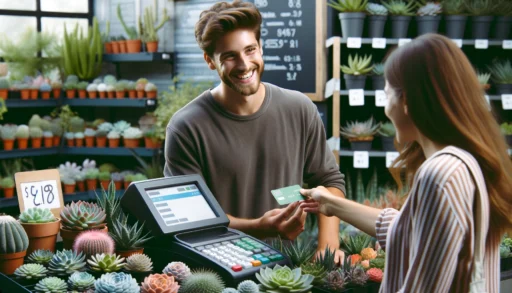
(326, 259)
(128, 237)
(400, 7)
(354, 245)
(349, 5)
(501, 72)
(387, 129)
(358, 65)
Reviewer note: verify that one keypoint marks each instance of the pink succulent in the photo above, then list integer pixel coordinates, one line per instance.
(375, 275)
(365, 264)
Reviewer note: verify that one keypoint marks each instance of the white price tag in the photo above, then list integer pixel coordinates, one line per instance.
(507, 44)
(166, 56)
(329, 88)
(381, 100)
(390, 158)
(356, 97)
(41, 194)
(402, 42)
(379, 43)
(361, 160)
(481, 44)
(354, 43)
(458, 42)
(506, 101)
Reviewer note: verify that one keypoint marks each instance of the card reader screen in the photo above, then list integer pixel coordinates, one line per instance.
(181, 204)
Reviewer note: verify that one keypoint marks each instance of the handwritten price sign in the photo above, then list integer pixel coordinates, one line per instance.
(40, 189)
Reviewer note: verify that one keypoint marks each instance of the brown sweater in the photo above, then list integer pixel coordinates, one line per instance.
(242, 158)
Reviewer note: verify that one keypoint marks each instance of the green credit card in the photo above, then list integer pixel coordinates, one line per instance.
(287, 195)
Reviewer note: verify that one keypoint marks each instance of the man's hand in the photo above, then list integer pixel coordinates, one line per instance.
(318, 200)
(276, 222)
(339, 256)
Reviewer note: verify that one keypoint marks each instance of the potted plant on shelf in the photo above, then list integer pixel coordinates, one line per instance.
(56, 88)
(378, 15)
(428, 18)
(101, 138)
(102, 89)
(150, 30)
(356, 71)
(80, 181)
(48, 139)
(109, 79)
(130, 87)
(150, 90)
(122, 44)
(70, 88)
(378, 81)
(22, 136)
(352, 15)
(501, 73)
(118, 179)
(4, 88)
(401, 14)
(92, 90)
(41, 227)
(120, 89)
(78, 217)
(360, 134)
(104, 178)
(134, 43)
(79, 139)
(388, 132)
(151, 140)
(455, 18)
(82, 89)
(36, 137)
(89, 134)
(45, 90)
(69, 184)
(506, 130)
(24, 91)
(483, 79)
(131, 137)
(34, 91)
(503, 10)
(13, 251)
(113, 139)
(129, 239)
(8, 133)
(140, 87)
(115, 45)
(111, 91)
(481, 12)
(70, 139)
(91, 178)
(7, 185)
(57, 131)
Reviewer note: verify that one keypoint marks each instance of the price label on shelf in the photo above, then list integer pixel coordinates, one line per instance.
(402, 42)
(506, 101)
(481, 44)
(39, 189)
(356, 97)
(458, 42)
(361, 160)
(379, 43)
(381, 100)
(390, 158)
(354, 43)
(166, 56)
(507, 44)
(329, 88)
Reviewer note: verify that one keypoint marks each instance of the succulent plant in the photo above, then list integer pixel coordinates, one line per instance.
(139, 177)
(159, 283)
(348, 5)
(110, 88)
(94, 242)
(378, 69)
(56, 84)
(130, 86)
(45, 87)
(106, 263)
(140, 86)
(179, 270)
(56, 129)
(105, 126)
(91, 174)
(31, 271)
(72, 78)
(387, 129)
(378, 263)
(82, 216)
(501, 72)
(37, 215)
(248, 286)
(70, 86)
(430, 9)
(22, 131)
(132, 133)
(4, 83)
(504, 251)
(7, 182)
(128, 237)
(66, 262)
(77, 124)
(283, 279)
(116, 176)
(120, 86)
(109, 79)
(298, 251)
(316, 270)
(374, 275)
(453, 7)
(326, 259)
(47, 134)
(102, 87)
(35, 132)
(150, 87)
(355, 259)
(14, 238)
(141, 263)
(142, 81)
(483, 78)
(69, 135)
(230, 290)
(8, 132)
(92, 87)
(45, 125)
(66, 180)
(82, 85)
(79, 135)
(358, 65)
(368, 253)
(51, 284)
(334, 281)
(365, 264)
(202, 281)
(81, 281)
(400, 7)
(355, 244)
(356, 275)
(121, 126)
(116, 283)
(360, 130)
(97, 81)
(480, 7)
(113, 135)
(89, 132)
(376, 9)
(40, 256)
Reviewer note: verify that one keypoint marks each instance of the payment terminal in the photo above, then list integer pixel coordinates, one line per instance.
(190, 226)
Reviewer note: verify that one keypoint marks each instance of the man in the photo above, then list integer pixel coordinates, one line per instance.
(247, 138)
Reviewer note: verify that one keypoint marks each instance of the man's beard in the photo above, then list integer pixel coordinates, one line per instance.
(244, 90)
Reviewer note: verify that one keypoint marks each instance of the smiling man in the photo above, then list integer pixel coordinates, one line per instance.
(246, 137)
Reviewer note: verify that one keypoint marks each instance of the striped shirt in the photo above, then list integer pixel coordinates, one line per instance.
(429, 243)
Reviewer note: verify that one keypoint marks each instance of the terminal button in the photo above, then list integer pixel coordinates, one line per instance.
(236, 268)
(256, 263)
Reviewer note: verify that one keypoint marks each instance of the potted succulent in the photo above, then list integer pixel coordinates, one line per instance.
(164, 282)
(101, 138)
(69, 184)
(109, 79)
(7, 185)
(378, 80)
(94, 242)
(481, 12)
(483, 79)
(116, 282)
(120, 89)
(82, 89)
(139, 266)
(89, 135)
(91, 178)
(127, 180)
(428, 18)
(455, 17)
(4, 88)
(57, 131)
(92, 90)
(501, 73)
(8, 134)
(111, 91)
(48, 139)
(356, 71)
(151, 140)
(22, 136)
(150, 90)
(13, 251)
(506, 130)
(360, 134)
(56, 88)
(78, 217)
(378, 15)
(80, 178)
(115, 45)
(34, 91)
(273, 279)
(113, 139)
(181, 271)
(503, 10)
(387, 132)
(102, 89)
(122, 44)
(118, 179)
(66, 262)
(45, 90)
(140, 87)
(130, 87)
(129, 239)
(24, 91)
(401, 14)
(104, 178)
(29, 274)
(151, 29)
(131, 137)
(352, 15)
(70, 139)
(79, 139)
(134, 43)
(42, 228)
(81, 282)
(70, 88)
(36, 136)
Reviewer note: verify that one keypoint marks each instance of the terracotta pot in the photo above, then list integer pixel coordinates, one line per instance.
(11, 261)
(56, 140)
(101, 142)
(25, 94)
(118, 184)
(8, 192)
(22, 143)
(152, 47)
(131, 142)
(79, 142)
(105, 184)
(108, 48)
(152, 143)
(113, 142)
(111, 95)
(45, 95)
(81, 186)
(8, 144)
(70, 94)
(115, 47)
(92, 95)
(48, 142)
(120, 94)
(70, 142)
(127, 253)
(126, 184)
(151, 95)
(140, 94)
(56, 93)
(89, 141)
(41, 236)
(82, 94)
(69, 188)
(36, 142)
(34, 94)
(122, 47)
(133, 46)
(102, 95)
(68, 236)
(92, 184)
(132, 94)
(4, 93)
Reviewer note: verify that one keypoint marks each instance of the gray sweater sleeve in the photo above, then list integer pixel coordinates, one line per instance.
(180, 155)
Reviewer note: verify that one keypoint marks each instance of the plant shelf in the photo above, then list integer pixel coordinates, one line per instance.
(120, 151)
(17, 153)
(391, 41)
(17, 103)
(139, 57)
(125, 102)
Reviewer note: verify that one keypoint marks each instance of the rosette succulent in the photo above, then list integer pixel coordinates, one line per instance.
(378, 263)
(101, 87)
(121, 126)
(374, 275)
(159, 283)
(81, 281)
(179, 270)
(150, 87)
(248, 286)
(113, 135)
(31, 271)
(92, 87)
(116, 283)
(430, 9)
(51, 284)
(82, 216)
(40, 257)
(357, 275)
(334, 281)
(140, 263)
(66, 262)
(37, 215)
(368, 253)
(376, 9)
(283, 279)
(316, 270)
(132, 133)
(106, 263)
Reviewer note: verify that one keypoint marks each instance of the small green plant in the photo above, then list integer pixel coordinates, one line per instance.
(7, 182)
(8, 132)
(40, 256)
(378, 69)
(151, 29)
(316, 270)
(378, 263)
(35, 132)
(501, 72)
(283, 279)
(37, 215)
(483, 78)
(349, 5)
(12, 230)
(22, 131)
(31, 271)
(116, 282)
(400, 7)
(106, 263)
(387, 129)
(139, 263)
(248, 286)
(51, 284)
(81, 281)
(358, 65)
(202, 281)
(299, 251)
(355, 244)
(506, 128)
(376, 9)
(480, 7)
(4, 83)
(326, 259)
(359, 130)
(430, 9)
(453, 7)
(128, 237)
(66, 262)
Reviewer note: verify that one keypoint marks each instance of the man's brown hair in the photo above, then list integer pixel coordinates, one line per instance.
(225, 17)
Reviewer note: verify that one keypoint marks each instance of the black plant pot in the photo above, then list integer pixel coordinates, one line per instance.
(428, 24)
(352, 24)
(509, 139)
(377, 24)
(378, 82)
(503, 89)
(502, 28)
(361, 145)
(354, 82)
(455, 26)
(388, 143)
(481, 26)
(400, 26)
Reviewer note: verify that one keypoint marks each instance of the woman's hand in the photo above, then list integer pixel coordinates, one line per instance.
(319, 200)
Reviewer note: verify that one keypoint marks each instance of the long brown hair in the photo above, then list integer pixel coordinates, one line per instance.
(447, 105)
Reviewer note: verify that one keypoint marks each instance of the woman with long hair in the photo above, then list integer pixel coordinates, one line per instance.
(455, 162)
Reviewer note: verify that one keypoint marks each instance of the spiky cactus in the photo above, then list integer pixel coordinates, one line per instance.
(179, 270)
(150, 28)
(283, 279)
(334, 281)
(94, 242)
(81, 281)
(66, 262)
(248, 286)
(14, 238)
(159, 283)
(202, 281)
(116, 283)
(139, 263)
(315, 269)
(355, 244)
(106, 263)
(37, 215)
(40, 256)
(52, 285)
(82, 216)
(31, 271)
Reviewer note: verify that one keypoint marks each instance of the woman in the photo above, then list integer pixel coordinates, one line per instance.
(444, 129)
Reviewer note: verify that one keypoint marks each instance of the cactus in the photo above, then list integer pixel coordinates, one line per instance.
(14, 238)
(37, 215)
(109, 79)
(45, 87)
(83, 55)
(248, 286)
(116, 283)
(140, 263)
(202, 281)
(82, 216)
(82, 85)
(76, 124)
(35, 132)
(56, 129)
(106, 263)
(22, 131)
(111, 88)
(132, 133)
(66, 262)
(130, 31)
(79, 135)
(4, 83)
(81, 281)
(102, 87)
(159, 283)
(104, 176)
(40, 256)
(230, 290)
(7, 182)
(8, 132)
(94, 242)
(92, 87)
(51, 284)
(179, 270)
(150, 30)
